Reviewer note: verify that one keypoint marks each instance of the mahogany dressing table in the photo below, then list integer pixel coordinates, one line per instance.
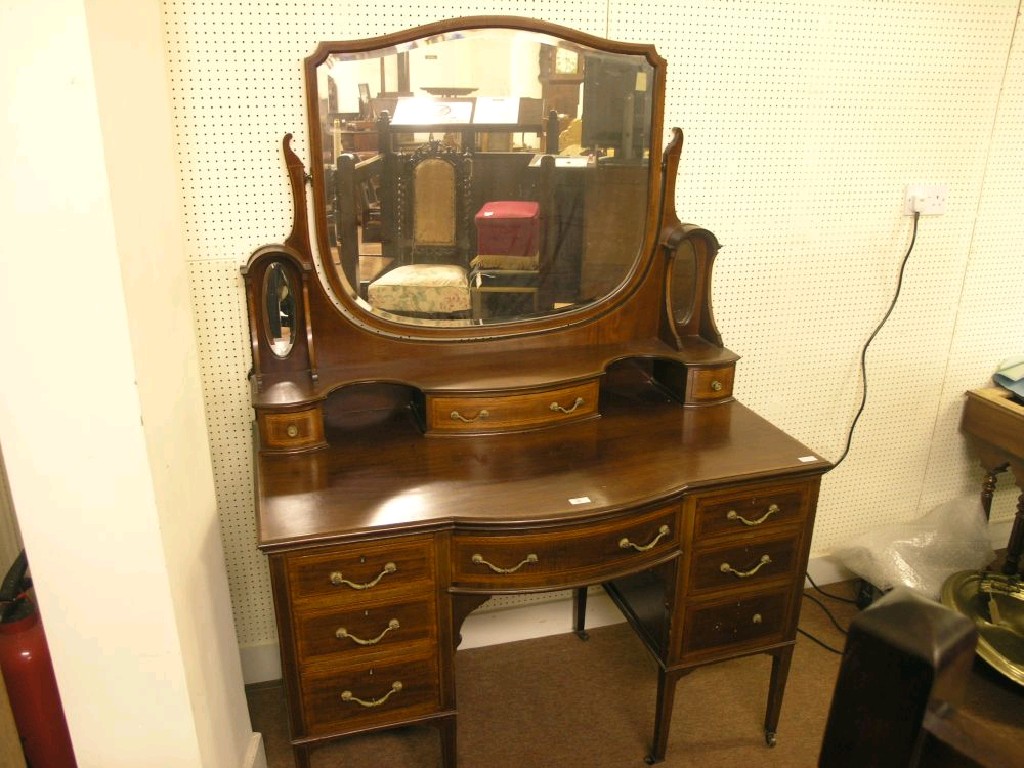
(409, 466)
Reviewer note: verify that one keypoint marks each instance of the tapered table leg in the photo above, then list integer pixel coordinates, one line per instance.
(663, 715)
(301, 754)
(781, 660)
(447, 728)
(579, 613)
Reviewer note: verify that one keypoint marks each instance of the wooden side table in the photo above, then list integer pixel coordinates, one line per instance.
(994, 424)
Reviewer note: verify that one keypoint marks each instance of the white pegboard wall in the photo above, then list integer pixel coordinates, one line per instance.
(803, 123)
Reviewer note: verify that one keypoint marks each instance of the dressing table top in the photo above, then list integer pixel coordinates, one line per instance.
(385, 476)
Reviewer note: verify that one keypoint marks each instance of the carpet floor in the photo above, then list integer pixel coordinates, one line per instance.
(558, 701)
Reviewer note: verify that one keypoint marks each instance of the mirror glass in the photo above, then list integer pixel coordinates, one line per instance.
(280, 314)
(481, 176)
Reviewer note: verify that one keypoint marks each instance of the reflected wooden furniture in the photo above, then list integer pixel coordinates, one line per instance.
(994, 423)
(405, 472)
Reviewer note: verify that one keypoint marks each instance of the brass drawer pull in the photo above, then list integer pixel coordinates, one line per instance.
(343, 633)
(726, 568)
(626, 543)
(348, 696)
(559, 409)
(734, 515)
(479, 560)
(337, 579)
(456, 416)
(716, 386)
(757, 618)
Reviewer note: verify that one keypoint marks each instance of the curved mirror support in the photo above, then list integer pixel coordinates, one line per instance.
(279, 300)
(483, 175)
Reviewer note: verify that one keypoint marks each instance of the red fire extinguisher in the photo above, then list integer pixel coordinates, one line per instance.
(28, 673)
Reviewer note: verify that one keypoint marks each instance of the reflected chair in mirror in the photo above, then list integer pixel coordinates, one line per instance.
(357, 221)
(425, 229)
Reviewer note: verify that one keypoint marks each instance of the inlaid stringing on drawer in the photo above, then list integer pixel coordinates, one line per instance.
(375, 693)
(358, 571)
(344, 635)
(744, 565)
(748, 510)
(726, 626)
(570, 554)
(497, 413)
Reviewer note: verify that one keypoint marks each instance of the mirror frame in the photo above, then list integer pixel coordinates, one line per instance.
(363, 317)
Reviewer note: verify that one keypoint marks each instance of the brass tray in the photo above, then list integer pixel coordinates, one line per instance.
(995, 603)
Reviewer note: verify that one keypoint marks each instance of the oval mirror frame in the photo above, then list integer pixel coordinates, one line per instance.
(636, 159)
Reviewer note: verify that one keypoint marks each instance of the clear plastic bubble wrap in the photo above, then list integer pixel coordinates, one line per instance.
(921, 554)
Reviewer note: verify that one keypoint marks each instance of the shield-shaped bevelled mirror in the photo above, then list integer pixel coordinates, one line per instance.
(482, 171)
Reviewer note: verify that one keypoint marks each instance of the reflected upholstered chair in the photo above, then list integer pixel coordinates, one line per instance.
(427, 231)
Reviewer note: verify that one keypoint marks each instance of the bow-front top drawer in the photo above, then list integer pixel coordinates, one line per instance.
(359, 572)
(758, 509)
(476, 414)
(563, 556)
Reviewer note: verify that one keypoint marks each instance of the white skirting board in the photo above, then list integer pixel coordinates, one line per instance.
(542, 618)
(255, 755)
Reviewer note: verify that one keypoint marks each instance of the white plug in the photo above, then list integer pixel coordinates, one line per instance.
(925, 199)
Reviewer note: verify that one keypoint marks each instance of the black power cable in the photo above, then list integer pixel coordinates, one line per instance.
(864, 349)
(853, 425)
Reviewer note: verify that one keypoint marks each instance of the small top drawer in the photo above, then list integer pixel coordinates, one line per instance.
(475, 414)
(707, 385)
(746, 510)
(361, 571)
(565, 555)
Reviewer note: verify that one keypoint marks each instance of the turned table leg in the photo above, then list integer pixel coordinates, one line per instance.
(988, 488)
(1013, 549)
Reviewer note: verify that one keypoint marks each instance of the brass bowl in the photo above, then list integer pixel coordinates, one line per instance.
(995, 603)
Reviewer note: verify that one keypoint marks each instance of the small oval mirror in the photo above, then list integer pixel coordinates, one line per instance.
(279, 317)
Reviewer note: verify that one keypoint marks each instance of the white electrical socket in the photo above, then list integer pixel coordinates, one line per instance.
(926, 199)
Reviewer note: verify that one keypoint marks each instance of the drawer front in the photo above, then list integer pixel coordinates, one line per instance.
(731, 626)
(336, 700)
(292, 431)
(360, 572)
(501, 413)
(708, 385)
(744, 565)
(563, 555)
(762, 509)
(345, 636)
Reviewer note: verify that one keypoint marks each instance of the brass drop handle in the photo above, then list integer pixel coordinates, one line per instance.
(483, 414)
(726, 568)
(662, 533)
(338, 580)
(293, 431)
(734, 515)
(559, 409)
(343, 633)
(348, 696)
(479, 560)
